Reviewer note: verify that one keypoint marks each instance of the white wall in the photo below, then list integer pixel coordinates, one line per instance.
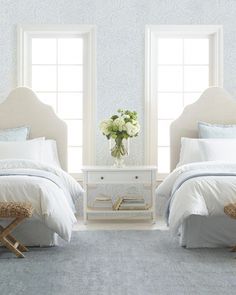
(120, 45)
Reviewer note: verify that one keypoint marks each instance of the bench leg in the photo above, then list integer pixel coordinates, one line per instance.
(233, 249)
(13, 240)
(9, 241)
(12, 247)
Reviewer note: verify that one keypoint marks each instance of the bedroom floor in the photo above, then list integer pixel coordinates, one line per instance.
(117, 262)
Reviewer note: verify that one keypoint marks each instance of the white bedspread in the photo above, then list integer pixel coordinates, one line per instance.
(51, 191)
(198, 189)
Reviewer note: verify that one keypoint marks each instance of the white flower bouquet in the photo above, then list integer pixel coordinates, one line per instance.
(120, 128)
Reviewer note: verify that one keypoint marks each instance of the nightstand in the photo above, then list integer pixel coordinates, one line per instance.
(115, 181)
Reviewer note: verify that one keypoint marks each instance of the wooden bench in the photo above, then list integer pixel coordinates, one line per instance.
(19, 212)
(230, 210)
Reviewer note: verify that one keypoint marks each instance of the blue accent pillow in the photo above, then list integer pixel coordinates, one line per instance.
(14, 134)
(206, 130)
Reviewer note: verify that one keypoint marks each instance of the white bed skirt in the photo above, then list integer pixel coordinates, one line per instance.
(209, 232)
(34, 233)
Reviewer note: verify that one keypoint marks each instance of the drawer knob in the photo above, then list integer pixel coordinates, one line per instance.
(136, 177)
(102, 177)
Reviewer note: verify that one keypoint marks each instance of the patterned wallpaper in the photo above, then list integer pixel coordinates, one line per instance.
(120, 45)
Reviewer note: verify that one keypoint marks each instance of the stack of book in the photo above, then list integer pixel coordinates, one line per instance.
(102, 203)
(130, 203)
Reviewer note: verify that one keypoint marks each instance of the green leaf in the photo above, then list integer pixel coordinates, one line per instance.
(114, 117)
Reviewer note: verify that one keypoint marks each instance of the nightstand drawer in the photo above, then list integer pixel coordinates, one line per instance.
(120, 177)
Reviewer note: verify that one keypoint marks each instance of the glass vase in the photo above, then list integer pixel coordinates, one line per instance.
(119, 149)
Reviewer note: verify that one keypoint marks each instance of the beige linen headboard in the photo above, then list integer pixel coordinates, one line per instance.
(23, 108)
(215, 105)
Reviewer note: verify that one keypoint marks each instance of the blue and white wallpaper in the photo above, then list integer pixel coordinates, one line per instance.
(120, 46)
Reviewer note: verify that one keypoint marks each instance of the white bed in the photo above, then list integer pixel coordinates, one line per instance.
(195, 215)
(48, 188)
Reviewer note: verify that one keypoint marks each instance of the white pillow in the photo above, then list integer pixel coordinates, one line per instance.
(190, 151)
(38, 149)
(50, 154)
(207, 149)
(219, 150)
(30, 150)
(37, 139)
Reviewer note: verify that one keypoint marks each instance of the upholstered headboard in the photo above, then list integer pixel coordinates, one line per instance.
(215, 105)
(22, 107)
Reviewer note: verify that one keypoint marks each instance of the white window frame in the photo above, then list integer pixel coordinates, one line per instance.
(152, 32)
(88, 33)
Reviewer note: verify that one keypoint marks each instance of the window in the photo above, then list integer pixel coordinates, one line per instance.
(181, 62)
(57, 62)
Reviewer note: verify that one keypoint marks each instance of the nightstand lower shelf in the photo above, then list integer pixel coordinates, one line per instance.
(119, 214)
(90, 210)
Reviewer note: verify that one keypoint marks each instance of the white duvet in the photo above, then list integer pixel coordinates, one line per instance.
(202, 188)
(51, 191)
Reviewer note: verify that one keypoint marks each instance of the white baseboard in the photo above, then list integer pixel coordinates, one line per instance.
(120, 225)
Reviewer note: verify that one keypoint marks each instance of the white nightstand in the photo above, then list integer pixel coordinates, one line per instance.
(96, 176)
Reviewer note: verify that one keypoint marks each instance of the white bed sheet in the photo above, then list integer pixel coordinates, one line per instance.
(34, 233)
(52, 203)
(208, 232)
(203, 196)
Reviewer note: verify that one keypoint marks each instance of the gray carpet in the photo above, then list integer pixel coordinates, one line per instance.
(119, 263)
